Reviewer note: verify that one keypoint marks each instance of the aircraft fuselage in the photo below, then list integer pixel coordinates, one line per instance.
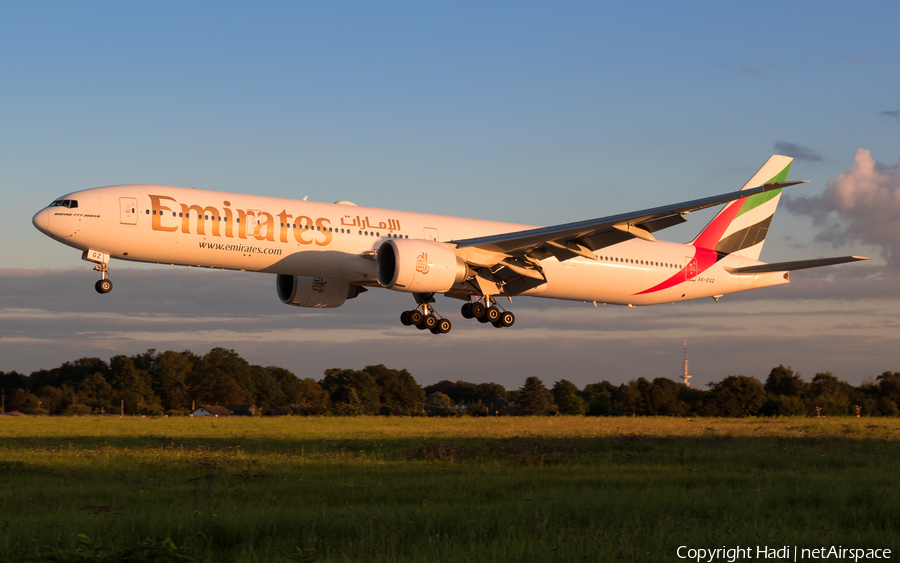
(190, 227)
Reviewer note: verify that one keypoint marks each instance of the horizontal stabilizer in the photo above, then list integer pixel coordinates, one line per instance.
(791, 266)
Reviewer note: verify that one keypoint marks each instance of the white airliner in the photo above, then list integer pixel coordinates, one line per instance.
(325, 253)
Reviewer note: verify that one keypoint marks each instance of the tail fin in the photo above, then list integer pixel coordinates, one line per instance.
(741, 227)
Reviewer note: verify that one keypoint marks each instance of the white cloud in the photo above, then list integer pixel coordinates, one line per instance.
(862, 204)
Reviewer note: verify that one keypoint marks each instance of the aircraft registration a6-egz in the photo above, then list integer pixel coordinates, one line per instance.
(325, 253)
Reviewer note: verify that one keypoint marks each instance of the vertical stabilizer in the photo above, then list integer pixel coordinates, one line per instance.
(741, 227)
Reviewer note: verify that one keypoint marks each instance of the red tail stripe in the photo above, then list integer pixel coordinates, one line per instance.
(712, 234)
(704, 257)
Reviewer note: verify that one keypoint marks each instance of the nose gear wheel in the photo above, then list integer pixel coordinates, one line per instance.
(104, 284)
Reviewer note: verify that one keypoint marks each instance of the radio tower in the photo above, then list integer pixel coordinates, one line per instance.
(687, 378)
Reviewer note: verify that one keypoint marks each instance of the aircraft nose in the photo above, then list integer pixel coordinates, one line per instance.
(41, 221)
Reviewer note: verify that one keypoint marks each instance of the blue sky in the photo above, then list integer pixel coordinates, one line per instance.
(530, 112)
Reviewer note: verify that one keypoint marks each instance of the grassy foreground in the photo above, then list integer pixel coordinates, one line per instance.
(453, 489)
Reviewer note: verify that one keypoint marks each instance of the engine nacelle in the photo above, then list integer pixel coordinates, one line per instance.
(303, 291)
(418, 266)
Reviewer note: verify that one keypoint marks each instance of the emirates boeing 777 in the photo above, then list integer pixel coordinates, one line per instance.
(325, 253)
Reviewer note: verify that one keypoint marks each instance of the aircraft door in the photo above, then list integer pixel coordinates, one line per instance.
(128, 210)
(690, 268)
(431, 234)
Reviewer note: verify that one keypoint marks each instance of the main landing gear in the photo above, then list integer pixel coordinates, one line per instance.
(486, 310)
(103, 285)
(425, 317)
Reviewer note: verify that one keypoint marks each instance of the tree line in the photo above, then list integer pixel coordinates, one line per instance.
(156, 383)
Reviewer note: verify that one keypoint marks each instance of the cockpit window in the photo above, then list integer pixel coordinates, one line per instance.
(70, 203)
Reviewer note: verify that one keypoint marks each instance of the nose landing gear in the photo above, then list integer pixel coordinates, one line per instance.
(100, 258)
(486, 310)
(103, 285)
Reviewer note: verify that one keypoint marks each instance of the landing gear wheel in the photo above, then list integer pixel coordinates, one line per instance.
(443, 326)
(497, 324)
(404, 318)
(507, 318)
(103, 286)
(428, 321)
(415, 317)
(467, 311)
(482, 319)
(492, 314)
(478, 310)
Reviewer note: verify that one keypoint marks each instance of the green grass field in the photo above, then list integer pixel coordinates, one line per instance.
(446, 489)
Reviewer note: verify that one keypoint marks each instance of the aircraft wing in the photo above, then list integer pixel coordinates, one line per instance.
(583, 237)
(791, 266)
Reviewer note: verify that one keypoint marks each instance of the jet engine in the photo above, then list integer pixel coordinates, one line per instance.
(418, 266)
(304, 291)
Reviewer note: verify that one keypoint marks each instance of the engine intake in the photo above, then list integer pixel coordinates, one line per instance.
(304, 291)
(418, 266)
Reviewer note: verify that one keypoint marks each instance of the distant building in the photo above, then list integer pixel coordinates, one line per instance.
(212, 410)
(495, 403)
